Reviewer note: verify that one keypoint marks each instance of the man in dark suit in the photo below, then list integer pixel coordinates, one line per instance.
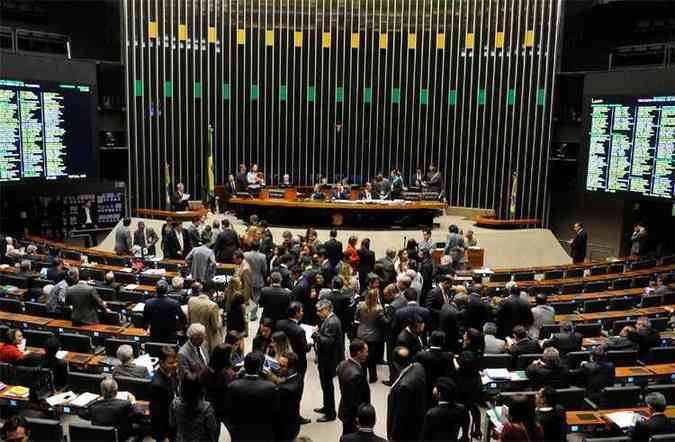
(146, 238)
(161, 314)
(411, 337)
(365, 421)
(388, 269)
(354, 388)
(275, 299)
(333, 249)
(85, 301)
(329, 345)
(178, 244)
(566, 341)
(595, 375)
(407, 313)
(86, 216)
(521, 344)
(448, 322)
(112, 412)
(578, 244)
(242, 181)
(123, 241)
(548, 371)
(513, 311)
(657, 423)
(326, 268)
(162, 390)
(443, 421)
(253, 403)
(406, 403)
(178, 201)
(296, 335)
(437, 363)
(644, 336)
(226, 243)
(438, 297)
(341, 301)
(290, 394)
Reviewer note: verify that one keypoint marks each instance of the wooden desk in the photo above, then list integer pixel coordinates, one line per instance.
(597, 417)
(632, 313)
(662, 369)
(72, 357)
(18, 318)
(186, 215)
(599, 340)
(134, 332)
(632, 372)
(494, 223)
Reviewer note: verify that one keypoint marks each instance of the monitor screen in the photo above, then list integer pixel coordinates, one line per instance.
(46, 131)
(631, 145)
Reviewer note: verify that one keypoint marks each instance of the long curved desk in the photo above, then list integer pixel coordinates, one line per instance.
(340, 213)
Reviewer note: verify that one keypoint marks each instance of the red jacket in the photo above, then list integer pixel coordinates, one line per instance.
(10, 353)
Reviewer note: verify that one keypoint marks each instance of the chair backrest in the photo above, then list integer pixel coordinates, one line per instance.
(106, 293)
(147, 279)
(597, 305)
(40, 381)
(617, 326)
(11, 305)
(40, 283)
(48, 430)
(596, 286)
(622, 303)
(564, 308)
(589, 329)
(621, 284)
(126, 278)
(76, 342)
(667, 260)
(112, 344)
(6, 373)
(116, 261)
(667, 390)
(500, 277)
(547, 289)
(662, 355)
(669, 298)
(572, 398)
(569, 289)
(70, 254)
(623, 358)
(496, 361)
(85, 382)
(660, 324)
(87, 273)
(574, 273)
(16, 281)
(616, 268)
(524, 276)
(168, 266)
(506, 398)
(131, 296)
(154, 348)
(137, 320)
(84, 432)
(644, 264)
(670, 437)
(524, 360)
(548, 329)
(36, 338)
(554, 274)
(35, 308)
(651, 301)
(607, 439)
(136, 386)
(575, 358)
(620, 397)
(599, 270)
(641, 282)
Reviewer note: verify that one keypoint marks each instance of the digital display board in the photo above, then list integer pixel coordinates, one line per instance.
(46, 131)
(631, 145)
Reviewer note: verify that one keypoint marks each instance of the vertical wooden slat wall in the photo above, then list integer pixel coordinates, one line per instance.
(343, 87)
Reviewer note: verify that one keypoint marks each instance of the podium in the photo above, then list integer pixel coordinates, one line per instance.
(475, 256)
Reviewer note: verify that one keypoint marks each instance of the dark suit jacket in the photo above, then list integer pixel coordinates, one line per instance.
(407, 313)
(436, 363)
(645, 340)
(253, 409)
(298, 339)
(448, 322)
(594, 376)
(476, 313)
(442, 423)
(275, 301)
(354, 389)
(412, 342)
(242, 182)
(406, 405)
(435, 302)
(565, 342)
(177, 204)
(172, 247)
(552, 376)
(578, 246)
(388, 270)
(366, 261)
(656, 424)
(85, 302)
(524, 347)
(330, 346)
(333, 249)
(116, 413)
(162, 314)
(435, 182)
(362, 436)
(227, 242)
(513, 311)
(162, 391)
(290, 393)
(342, 308)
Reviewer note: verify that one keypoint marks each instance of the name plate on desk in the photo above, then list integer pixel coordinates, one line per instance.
(276, 193)
(288, 194)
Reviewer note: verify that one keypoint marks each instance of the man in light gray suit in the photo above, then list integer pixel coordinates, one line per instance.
(123, 238)
(202, 263)
(146, 237)
(258, 263)
(127, 367)
(193, 355)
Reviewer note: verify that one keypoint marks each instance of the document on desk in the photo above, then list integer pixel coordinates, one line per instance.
(145, 360)
(61, 354)
(131, 287)
(623, 419)
(60, 398)
(309, 329)
(139, 307)
(84, 399)
(498, 373)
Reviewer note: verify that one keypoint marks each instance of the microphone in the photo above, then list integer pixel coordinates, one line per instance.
(405, 241)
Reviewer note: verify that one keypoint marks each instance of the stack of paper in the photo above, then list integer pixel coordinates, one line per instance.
(498, 373)
(131, 287)
(61, 354)
(623, 419)
(61, 398)
(123, 395)
(139, 307)
(309, 329)
(84, 399)
(19, 391)
(146, 361)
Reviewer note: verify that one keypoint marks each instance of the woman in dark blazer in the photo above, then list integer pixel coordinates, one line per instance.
(366, 262)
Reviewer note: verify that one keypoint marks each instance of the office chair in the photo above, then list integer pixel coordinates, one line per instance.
(596, 286)
(16, 281)
(10, 305)
(506, 398)
(668, 260)
(667, 390)
(70, 254)
(36, 309)
(112, 344)
(621, 284)
(641, 282)
(169, 267)
(85, 382)
(87, 273)
(115, 261)
(617, 326)
(616, 268)
(131, 296)
(620, 397)
(651, 301)
(575, 358)
(6, 373)
(574, 273)
(500, 277)
(670, 437)
(661, 355)
(589, 329)
(564, 308)
(595, 306)
(36, 338)
(547, 290)
(570, 289)
(48, 430)
(572, 398)
(106, 293)
(126, 278)
(154, 348)
(623, 358)
(660, 324)
(525, 276)
(554, 274)
(522, 361)
(40, 381)
(85, 432)
(669, 298)
(496, 361)
(137, 320)
(76, 342)
(607, 439)
(148, 279)
(140, 388)
(625, 303)
(547, 330)
(644, 264)
(599, 270)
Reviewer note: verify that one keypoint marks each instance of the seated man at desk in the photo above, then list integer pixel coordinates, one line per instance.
(367, 193)
(113, 412)
(180, 199)
(286, 181)
(382, 187)
(657, 423)
(340, 193)
(434, 180)
(317, 195)
(397, 186)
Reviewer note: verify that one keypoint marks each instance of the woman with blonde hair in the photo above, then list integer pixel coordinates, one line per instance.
(370, 323)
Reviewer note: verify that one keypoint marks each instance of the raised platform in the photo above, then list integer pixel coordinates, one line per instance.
(491, 222)
(185, 215)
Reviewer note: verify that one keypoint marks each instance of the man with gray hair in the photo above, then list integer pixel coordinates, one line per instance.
(388, 269)
(493, 345)
(127, 367)
(658, 422)
(193, 355)
(548, 371)
(329, 345)
(112, 412)
(202, 310)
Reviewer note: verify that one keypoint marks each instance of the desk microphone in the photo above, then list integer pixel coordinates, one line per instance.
(405, 241)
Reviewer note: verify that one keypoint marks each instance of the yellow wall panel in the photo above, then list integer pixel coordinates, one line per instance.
(469, 40)
(499, 40)
(182, 32)
(213, 36)
(152, 29)
(241, 36)
(440, 41)
(412, 40)
(384, 40)
(326, 39)
(356, 40)
(297, 39)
